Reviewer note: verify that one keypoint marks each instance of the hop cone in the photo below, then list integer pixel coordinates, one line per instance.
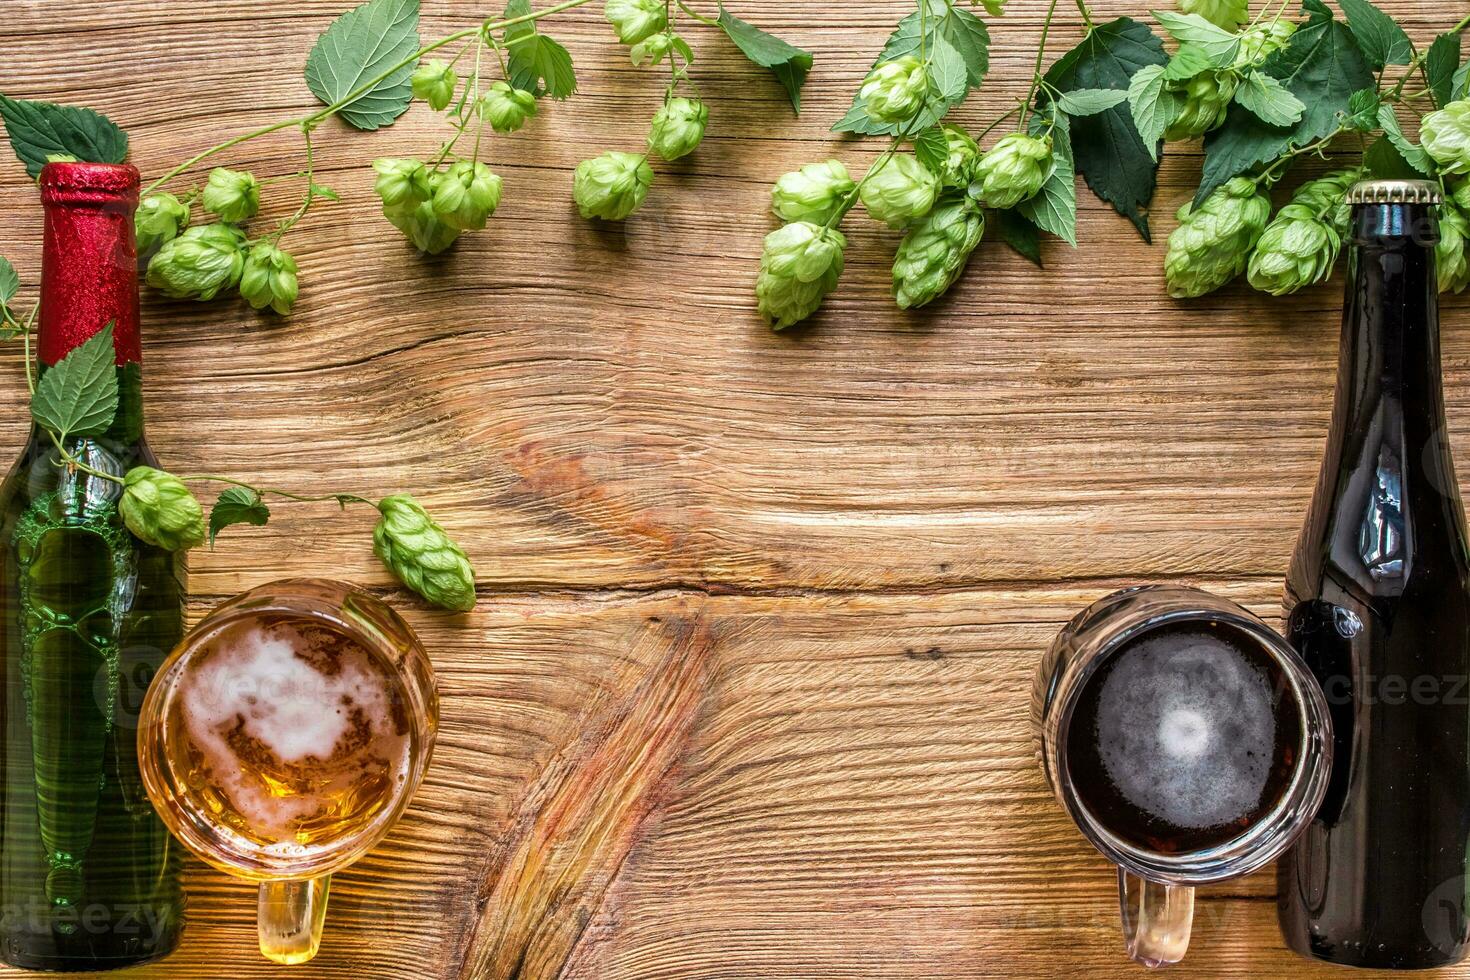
(1446, 137)
(269, 279)
(1327, 197)
(960, 159)
(421, 555)
(1461, 197)
(232, 195)
(636, 20)
(1206, 100)
(160, 219)
(424, 227)
(434, 82)
(199, 263)
(814, 193)
(800, 264)
(651, 50)
(1297, 249)
(1014, 170)
(1259, 42)
(159, 509)
(507, 108)
(1212, 244)
(678, 126)
(900, 191)
(611, 186)
(402, 184)
(466, 195)
(1450, 259)
(1229, 14)
(895, 90)
(934, 252)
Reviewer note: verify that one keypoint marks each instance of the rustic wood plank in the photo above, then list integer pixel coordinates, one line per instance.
(880, 519)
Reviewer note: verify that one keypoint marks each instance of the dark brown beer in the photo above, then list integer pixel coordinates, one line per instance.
(1184, 738)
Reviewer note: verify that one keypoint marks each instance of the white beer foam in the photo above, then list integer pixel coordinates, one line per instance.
(1187, 729)
(254, 680)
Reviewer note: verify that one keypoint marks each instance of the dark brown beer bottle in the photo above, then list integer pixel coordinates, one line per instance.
(1378, 604)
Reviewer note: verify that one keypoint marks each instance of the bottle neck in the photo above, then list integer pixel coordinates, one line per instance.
(89, 274)
(1390, 335)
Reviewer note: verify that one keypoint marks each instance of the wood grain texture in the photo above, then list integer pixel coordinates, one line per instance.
(877, 522)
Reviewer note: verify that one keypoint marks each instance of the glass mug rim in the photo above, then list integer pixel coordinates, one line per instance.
(1270, 834)
(302, 597)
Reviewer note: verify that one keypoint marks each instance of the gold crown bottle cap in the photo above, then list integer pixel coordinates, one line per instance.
(1395, 192)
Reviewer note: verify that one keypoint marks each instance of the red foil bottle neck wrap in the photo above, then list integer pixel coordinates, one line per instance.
(89, 258)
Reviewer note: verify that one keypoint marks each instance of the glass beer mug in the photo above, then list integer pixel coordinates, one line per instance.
(1187, 741)
(283, 739)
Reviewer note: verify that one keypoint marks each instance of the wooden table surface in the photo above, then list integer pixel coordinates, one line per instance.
(745, 691)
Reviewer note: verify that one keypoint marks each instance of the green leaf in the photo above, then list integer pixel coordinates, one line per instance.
(787, 62)
(967, 37)
(1192, 29)
(1440, 65)
(321, 190)
(1054, 208)
(358, 47)
(1107, 149)
(1461, 82)
(1412, 153)
(932, 148)
(1269, 100)
(1188, 61)
(1322, 66)
(38, 130)
(237, 505)
(1152, 105)
(1382, 41)
(535, 62)
(78, 397)
(1090, 101)
(1017, 231)
(1362, 110)
(1383, 161)
(9, 281)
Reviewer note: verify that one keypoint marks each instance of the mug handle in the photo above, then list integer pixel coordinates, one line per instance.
(290, 918)
(1156, 919)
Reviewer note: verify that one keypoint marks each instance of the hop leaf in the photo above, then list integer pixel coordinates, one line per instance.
(159, 509)
(434, 82)
(1450, 260)
(200, 262)
(232, 195)
(1213, 242)
(401, 184)
(507, 108)
(935, 250)
(1297, 249)
(421, 555)
(900, 191)
(895, 90)
(611, 186)
(814, 193)
(269, 279)
(1446, 137)
(159, 220)
(1229, 14)
(636, 20)
(1014, 170)
(1204, 100)
(466, 195)
(800, 264)
(678, 127)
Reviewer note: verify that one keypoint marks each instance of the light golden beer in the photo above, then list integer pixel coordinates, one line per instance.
(284, 738)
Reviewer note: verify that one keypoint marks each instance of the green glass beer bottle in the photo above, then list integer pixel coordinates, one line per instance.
(89, 877)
